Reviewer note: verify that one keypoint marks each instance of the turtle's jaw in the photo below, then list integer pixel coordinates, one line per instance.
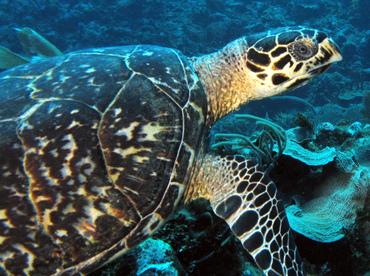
(301, 80)
(320, 70)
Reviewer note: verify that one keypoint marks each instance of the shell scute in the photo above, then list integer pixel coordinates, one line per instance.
(87, 77)
(157, 64)
(137, 159)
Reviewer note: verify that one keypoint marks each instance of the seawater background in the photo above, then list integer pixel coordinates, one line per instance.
(204, 26)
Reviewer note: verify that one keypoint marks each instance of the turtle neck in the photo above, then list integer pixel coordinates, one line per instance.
(225, 79)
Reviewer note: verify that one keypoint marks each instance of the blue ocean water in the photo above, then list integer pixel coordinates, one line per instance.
(336, 103)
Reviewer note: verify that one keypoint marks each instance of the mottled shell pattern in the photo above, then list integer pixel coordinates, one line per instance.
(83, 162)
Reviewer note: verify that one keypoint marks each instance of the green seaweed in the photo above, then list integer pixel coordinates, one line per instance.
(266, 146)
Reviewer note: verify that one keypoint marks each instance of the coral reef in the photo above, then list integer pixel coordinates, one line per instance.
(296, 99)
(332, 206)
(300, 134)
(310, 158)
(366, 107)
(155, 257)
(340, 190)
(334, 114)
(327, 183)
(362, 154)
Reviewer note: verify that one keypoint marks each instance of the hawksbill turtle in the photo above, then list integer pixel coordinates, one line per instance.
(99, 147)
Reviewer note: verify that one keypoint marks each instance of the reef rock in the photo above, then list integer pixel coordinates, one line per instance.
(157, 258)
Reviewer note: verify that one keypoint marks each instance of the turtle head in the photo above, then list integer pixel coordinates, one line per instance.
(284, 59)
(263, 65)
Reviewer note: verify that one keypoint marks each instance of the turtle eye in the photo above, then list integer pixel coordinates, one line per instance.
(303, 49)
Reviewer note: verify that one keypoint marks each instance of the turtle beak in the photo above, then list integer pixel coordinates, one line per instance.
(333, 50)
(328, 54)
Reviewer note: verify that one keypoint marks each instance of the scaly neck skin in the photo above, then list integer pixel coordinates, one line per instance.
(226, 81)
(225, 78)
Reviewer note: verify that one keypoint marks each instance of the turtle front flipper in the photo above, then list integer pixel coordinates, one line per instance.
(245, 197)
